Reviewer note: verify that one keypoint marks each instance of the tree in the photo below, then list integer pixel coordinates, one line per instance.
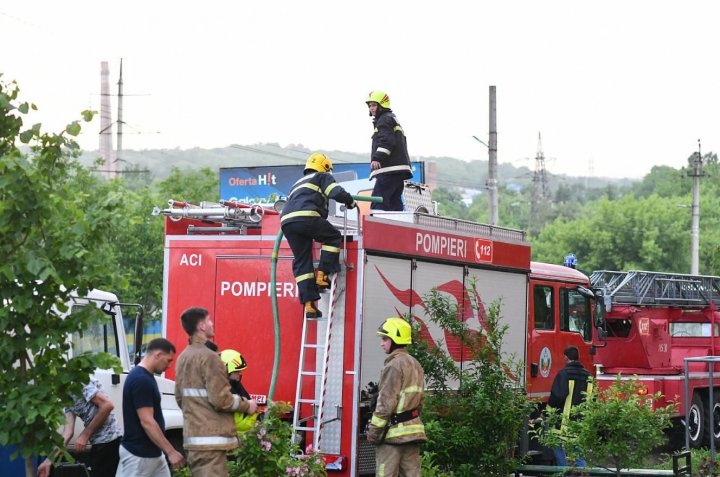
(55, 241)
(617, 425)
(468, 432)
(642, 234)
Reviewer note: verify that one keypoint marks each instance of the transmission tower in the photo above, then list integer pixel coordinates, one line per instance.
(540, 191)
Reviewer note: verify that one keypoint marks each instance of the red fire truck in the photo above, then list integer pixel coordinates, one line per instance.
(654, 321)
(220, 257)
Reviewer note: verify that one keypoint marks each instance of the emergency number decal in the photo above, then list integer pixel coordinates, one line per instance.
(545, 362)
(483, 250)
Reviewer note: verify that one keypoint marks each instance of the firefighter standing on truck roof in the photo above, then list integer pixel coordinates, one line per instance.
(395, 426)
(304, 220)
(389, 159)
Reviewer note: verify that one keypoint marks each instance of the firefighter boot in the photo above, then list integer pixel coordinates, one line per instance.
(311, 311)
(322, 280)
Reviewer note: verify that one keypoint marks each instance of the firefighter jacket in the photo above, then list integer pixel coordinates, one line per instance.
(309, 197)
(389, 146)
(400, 393)
(569, 389)
(203, 393)
(560, 390)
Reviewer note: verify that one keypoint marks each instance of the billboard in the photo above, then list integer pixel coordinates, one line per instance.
(264, 184)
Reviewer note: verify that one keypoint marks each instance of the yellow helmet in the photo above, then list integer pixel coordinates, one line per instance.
(397, 329)
(233, 360)
(318, 162)
(379, 97)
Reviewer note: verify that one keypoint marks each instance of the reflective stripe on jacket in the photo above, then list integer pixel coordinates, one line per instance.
(309, 197)
(401, 388)
(203, 393)
(389, 146)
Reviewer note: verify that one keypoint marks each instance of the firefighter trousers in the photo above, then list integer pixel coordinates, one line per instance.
(300, 236)
(209, 463)
(401, 460)
(390, 187)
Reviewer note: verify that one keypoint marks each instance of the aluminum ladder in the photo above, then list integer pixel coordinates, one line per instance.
(318, 395)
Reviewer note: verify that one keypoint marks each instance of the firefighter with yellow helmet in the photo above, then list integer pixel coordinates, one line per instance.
(304, 220)
(235, 364)
(395, 426)
(389, 158)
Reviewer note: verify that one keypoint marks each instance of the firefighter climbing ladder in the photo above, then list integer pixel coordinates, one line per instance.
(656, 288)
(319, 384)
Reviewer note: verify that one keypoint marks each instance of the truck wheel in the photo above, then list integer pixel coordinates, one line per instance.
(695, 421)
(716, 418)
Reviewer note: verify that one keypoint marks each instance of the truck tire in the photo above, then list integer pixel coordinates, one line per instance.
(695, 421)
(716, 418)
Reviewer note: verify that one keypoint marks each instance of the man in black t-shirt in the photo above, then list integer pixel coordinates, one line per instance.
(144, 441)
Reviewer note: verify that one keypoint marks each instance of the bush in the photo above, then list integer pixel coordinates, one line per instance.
(617, 426)
(268, 450)
(472, 429)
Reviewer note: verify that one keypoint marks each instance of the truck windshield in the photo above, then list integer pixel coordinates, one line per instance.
(98, 337)
(692, 329)
(575, 313)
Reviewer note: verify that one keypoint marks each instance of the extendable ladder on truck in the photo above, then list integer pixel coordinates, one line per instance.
(656, 288)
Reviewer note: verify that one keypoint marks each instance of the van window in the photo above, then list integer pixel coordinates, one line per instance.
(543, 304)
(575, 313)
(98, 337)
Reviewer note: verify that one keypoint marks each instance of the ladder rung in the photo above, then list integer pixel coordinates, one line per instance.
(310, 373)
(304, 428)
(309, 401)
(312, 345)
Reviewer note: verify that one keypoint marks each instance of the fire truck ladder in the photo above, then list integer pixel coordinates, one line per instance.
(319, 384)
(657, 288)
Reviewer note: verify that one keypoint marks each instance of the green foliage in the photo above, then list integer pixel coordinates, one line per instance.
(267, 450)
(191, 186)
(468, 433)
(617, 425)
(627, 234)
(55, 240)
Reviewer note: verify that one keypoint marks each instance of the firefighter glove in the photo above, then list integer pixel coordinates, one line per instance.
(352, 205)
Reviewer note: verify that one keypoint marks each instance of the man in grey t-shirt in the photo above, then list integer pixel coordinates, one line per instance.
(101, 432)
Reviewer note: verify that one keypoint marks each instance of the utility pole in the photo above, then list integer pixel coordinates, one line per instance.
(492, 181)
(695, 228)
(120, 116)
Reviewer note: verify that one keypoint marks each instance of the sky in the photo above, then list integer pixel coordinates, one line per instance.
(614, 87)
